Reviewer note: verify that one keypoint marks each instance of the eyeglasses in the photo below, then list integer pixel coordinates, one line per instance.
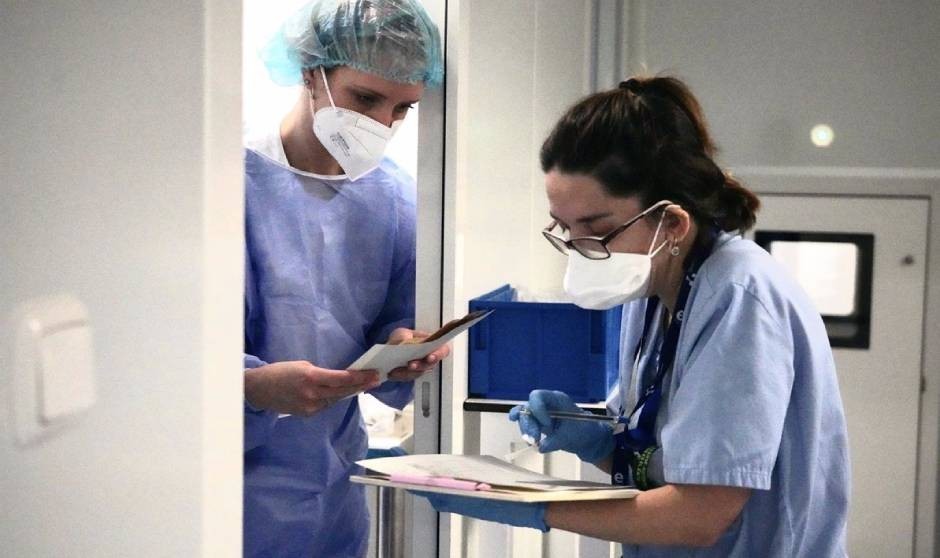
(594, 247)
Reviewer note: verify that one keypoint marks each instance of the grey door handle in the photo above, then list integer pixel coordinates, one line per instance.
(425, 399)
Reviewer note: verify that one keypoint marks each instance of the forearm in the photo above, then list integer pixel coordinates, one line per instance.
(675, 515)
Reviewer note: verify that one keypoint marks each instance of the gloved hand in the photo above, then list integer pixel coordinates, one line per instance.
(591, 441)
(519, 514)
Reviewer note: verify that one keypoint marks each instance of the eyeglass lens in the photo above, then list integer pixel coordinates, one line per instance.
(558, 243)
(590, 248)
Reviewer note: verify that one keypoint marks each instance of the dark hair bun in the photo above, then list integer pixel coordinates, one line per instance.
(653, 144)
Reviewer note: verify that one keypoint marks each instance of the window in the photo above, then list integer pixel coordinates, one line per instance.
(835, 269)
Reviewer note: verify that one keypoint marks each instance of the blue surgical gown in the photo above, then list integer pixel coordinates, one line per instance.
(330, 271)
(752, 401)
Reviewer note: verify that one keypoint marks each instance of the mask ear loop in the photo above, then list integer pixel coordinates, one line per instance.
(327, 86)
(651, 252)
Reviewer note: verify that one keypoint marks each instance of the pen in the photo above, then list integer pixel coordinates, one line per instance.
(574, 416)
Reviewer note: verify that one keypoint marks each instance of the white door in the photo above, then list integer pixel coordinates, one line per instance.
(879, 371)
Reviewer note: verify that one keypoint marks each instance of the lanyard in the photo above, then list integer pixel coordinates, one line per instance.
(636, 435)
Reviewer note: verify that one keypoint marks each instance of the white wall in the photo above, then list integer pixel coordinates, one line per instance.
(767, 71)
(121, 160)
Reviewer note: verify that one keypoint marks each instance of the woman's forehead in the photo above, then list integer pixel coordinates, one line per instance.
(573, 197)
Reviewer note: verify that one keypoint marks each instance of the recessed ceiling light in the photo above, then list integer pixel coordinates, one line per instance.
(822, 135)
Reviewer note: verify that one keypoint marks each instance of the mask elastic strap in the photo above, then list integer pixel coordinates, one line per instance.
(327, 86)
(659, 226)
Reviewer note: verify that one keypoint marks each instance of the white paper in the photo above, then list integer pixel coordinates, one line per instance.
(479, 468)
(385, 358)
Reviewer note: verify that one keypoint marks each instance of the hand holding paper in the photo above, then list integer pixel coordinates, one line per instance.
(415, 368)
(386, 358)
(301, 388)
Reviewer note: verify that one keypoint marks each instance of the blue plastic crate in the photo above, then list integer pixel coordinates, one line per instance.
(542, 345)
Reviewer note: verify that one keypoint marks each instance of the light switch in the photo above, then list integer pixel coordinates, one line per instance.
(54, 365)
(66, 377)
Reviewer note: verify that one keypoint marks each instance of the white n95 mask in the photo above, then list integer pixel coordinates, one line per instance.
(356, 141)
(605, 284)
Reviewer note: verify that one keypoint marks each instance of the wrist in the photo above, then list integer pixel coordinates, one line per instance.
(541, 517)
(254, 388)
(550, 514)
(641, 467)
(602, 447)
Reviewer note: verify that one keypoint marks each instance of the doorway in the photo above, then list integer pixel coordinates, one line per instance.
(863, 262)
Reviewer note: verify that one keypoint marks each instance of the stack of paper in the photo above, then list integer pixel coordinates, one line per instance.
(503, 480)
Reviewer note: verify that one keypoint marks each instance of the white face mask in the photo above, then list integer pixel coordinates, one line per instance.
(604, 284)
(356, 141)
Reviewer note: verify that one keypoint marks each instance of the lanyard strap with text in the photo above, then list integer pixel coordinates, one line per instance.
(636, 437)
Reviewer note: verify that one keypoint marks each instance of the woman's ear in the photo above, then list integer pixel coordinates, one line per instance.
(677, 223)
(308, 80)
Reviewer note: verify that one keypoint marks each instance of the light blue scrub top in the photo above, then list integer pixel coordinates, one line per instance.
(330, 271)
(752, 401)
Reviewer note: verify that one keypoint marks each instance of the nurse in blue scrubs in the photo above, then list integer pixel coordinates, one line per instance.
(731, 418)
(330, 270)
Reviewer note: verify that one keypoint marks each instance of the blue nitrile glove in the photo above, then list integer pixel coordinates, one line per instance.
(591, 441)
(518, 514)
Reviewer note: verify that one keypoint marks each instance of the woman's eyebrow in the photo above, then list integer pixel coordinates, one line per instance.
(361, 90)
(588, 219)
(583, 220)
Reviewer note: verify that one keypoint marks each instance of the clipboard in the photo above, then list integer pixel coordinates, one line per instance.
(486, 477)
(384, 358)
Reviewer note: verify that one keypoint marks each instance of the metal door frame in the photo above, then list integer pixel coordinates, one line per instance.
(421, 521)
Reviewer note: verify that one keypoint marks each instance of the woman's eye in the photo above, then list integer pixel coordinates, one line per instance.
(366, 99)
(585, 231)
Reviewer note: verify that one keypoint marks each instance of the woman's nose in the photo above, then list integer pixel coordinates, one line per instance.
(383, 115)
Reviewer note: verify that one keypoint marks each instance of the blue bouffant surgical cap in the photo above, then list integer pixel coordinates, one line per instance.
(393, 39)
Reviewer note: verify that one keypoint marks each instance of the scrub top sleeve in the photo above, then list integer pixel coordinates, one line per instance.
(398, 312)
(258, 422)
(731, 392)
(251, 361)
(394, 394)
(399, 308)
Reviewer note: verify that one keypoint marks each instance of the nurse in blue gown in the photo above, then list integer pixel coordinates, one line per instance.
(732, 422)
(330, 267)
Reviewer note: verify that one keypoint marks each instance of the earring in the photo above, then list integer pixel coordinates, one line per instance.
(675, 249)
